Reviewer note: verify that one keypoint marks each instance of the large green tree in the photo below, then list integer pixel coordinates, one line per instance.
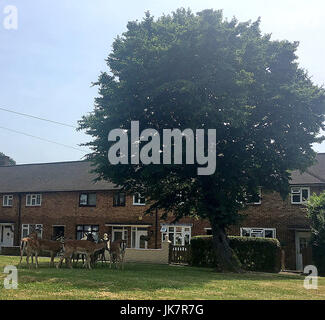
(201, 71)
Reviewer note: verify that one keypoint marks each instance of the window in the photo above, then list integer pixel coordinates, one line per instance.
(208, 231)
(258, 232)
(82, 230)
(87, 200)
(33, 200)
(260, 197)
(27, 229)
(299, 195)
(7, 200)
(178, 234)
(119, 199)
(119, 233)
(139, 200)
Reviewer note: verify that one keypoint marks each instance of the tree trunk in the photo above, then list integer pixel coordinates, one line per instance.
(226, 258)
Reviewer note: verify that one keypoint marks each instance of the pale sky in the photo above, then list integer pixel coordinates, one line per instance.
(48, 63)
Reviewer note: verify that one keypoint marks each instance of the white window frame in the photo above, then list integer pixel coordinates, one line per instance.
(138, 203)
(258, 230)
(28, 227)
(166, 230)
(298, 191)
(7, 198)
(31, 197)
(124, 231)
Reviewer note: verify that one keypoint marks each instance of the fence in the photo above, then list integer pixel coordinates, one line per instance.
(179, 254)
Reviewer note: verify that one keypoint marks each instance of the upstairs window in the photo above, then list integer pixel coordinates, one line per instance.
(119, 199)
(258, 232)
(33, 200)
(139, 200)
(299, 195)
(7, 200)
(87, 200)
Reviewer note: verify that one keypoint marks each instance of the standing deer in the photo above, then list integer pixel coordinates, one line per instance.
(100, 255)
(88, 248)
(117, 252)
(29, 245)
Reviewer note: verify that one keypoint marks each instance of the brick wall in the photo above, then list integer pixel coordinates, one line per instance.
(62, 208)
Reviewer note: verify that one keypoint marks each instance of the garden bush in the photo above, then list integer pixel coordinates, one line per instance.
(255, 254)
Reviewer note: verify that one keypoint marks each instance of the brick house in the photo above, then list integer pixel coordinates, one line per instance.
(62, 199)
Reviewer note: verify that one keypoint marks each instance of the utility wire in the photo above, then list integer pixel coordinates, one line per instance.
(38, 118)
(29, 135)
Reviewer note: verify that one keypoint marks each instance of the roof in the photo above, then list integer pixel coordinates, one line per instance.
(49, 177)
(76, 176)
(313, 175)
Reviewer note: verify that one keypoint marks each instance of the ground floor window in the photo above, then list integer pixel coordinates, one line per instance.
(138, 237)
(119, 233)
(179, 235)
(258, 232)
(27, 229)
(83, 229)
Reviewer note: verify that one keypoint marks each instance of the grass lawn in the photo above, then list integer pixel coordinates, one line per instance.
(146, 281)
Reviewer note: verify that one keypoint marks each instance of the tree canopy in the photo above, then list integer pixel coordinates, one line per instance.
(5, 160)
(201, 71)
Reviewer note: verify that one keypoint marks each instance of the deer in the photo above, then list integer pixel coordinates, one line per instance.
(100, 255)
(30, 246)
(87, 248)
(117, 252)
(75, 257)
(53, 247)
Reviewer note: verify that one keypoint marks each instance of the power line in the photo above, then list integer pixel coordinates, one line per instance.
(29, 135)
(38, 118)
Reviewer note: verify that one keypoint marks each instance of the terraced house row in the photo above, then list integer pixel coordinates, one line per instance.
(62, 199)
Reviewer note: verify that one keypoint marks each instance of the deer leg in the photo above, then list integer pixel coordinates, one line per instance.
(36, 259)
(60, 262)
(52, 259)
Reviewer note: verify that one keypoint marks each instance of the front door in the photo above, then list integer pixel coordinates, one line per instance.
(7, 235)
(140, 242)
(58, 231)
(302, 242)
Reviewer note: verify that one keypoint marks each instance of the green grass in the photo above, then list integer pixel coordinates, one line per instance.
(147, 281)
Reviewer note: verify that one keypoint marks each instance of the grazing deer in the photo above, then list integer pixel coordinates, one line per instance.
(88, 248)
(29, 245)
(50, 246)
(117, 252)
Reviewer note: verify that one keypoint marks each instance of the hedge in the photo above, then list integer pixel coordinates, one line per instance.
(255, 254)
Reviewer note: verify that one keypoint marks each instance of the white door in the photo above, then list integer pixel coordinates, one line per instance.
(7, 235)
(302, 241)
(140, 243)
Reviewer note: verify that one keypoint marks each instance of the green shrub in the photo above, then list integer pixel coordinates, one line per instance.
(255, 254)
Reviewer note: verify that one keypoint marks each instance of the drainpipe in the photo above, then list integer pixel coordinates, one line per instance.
(19, 220)
(156, 233)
